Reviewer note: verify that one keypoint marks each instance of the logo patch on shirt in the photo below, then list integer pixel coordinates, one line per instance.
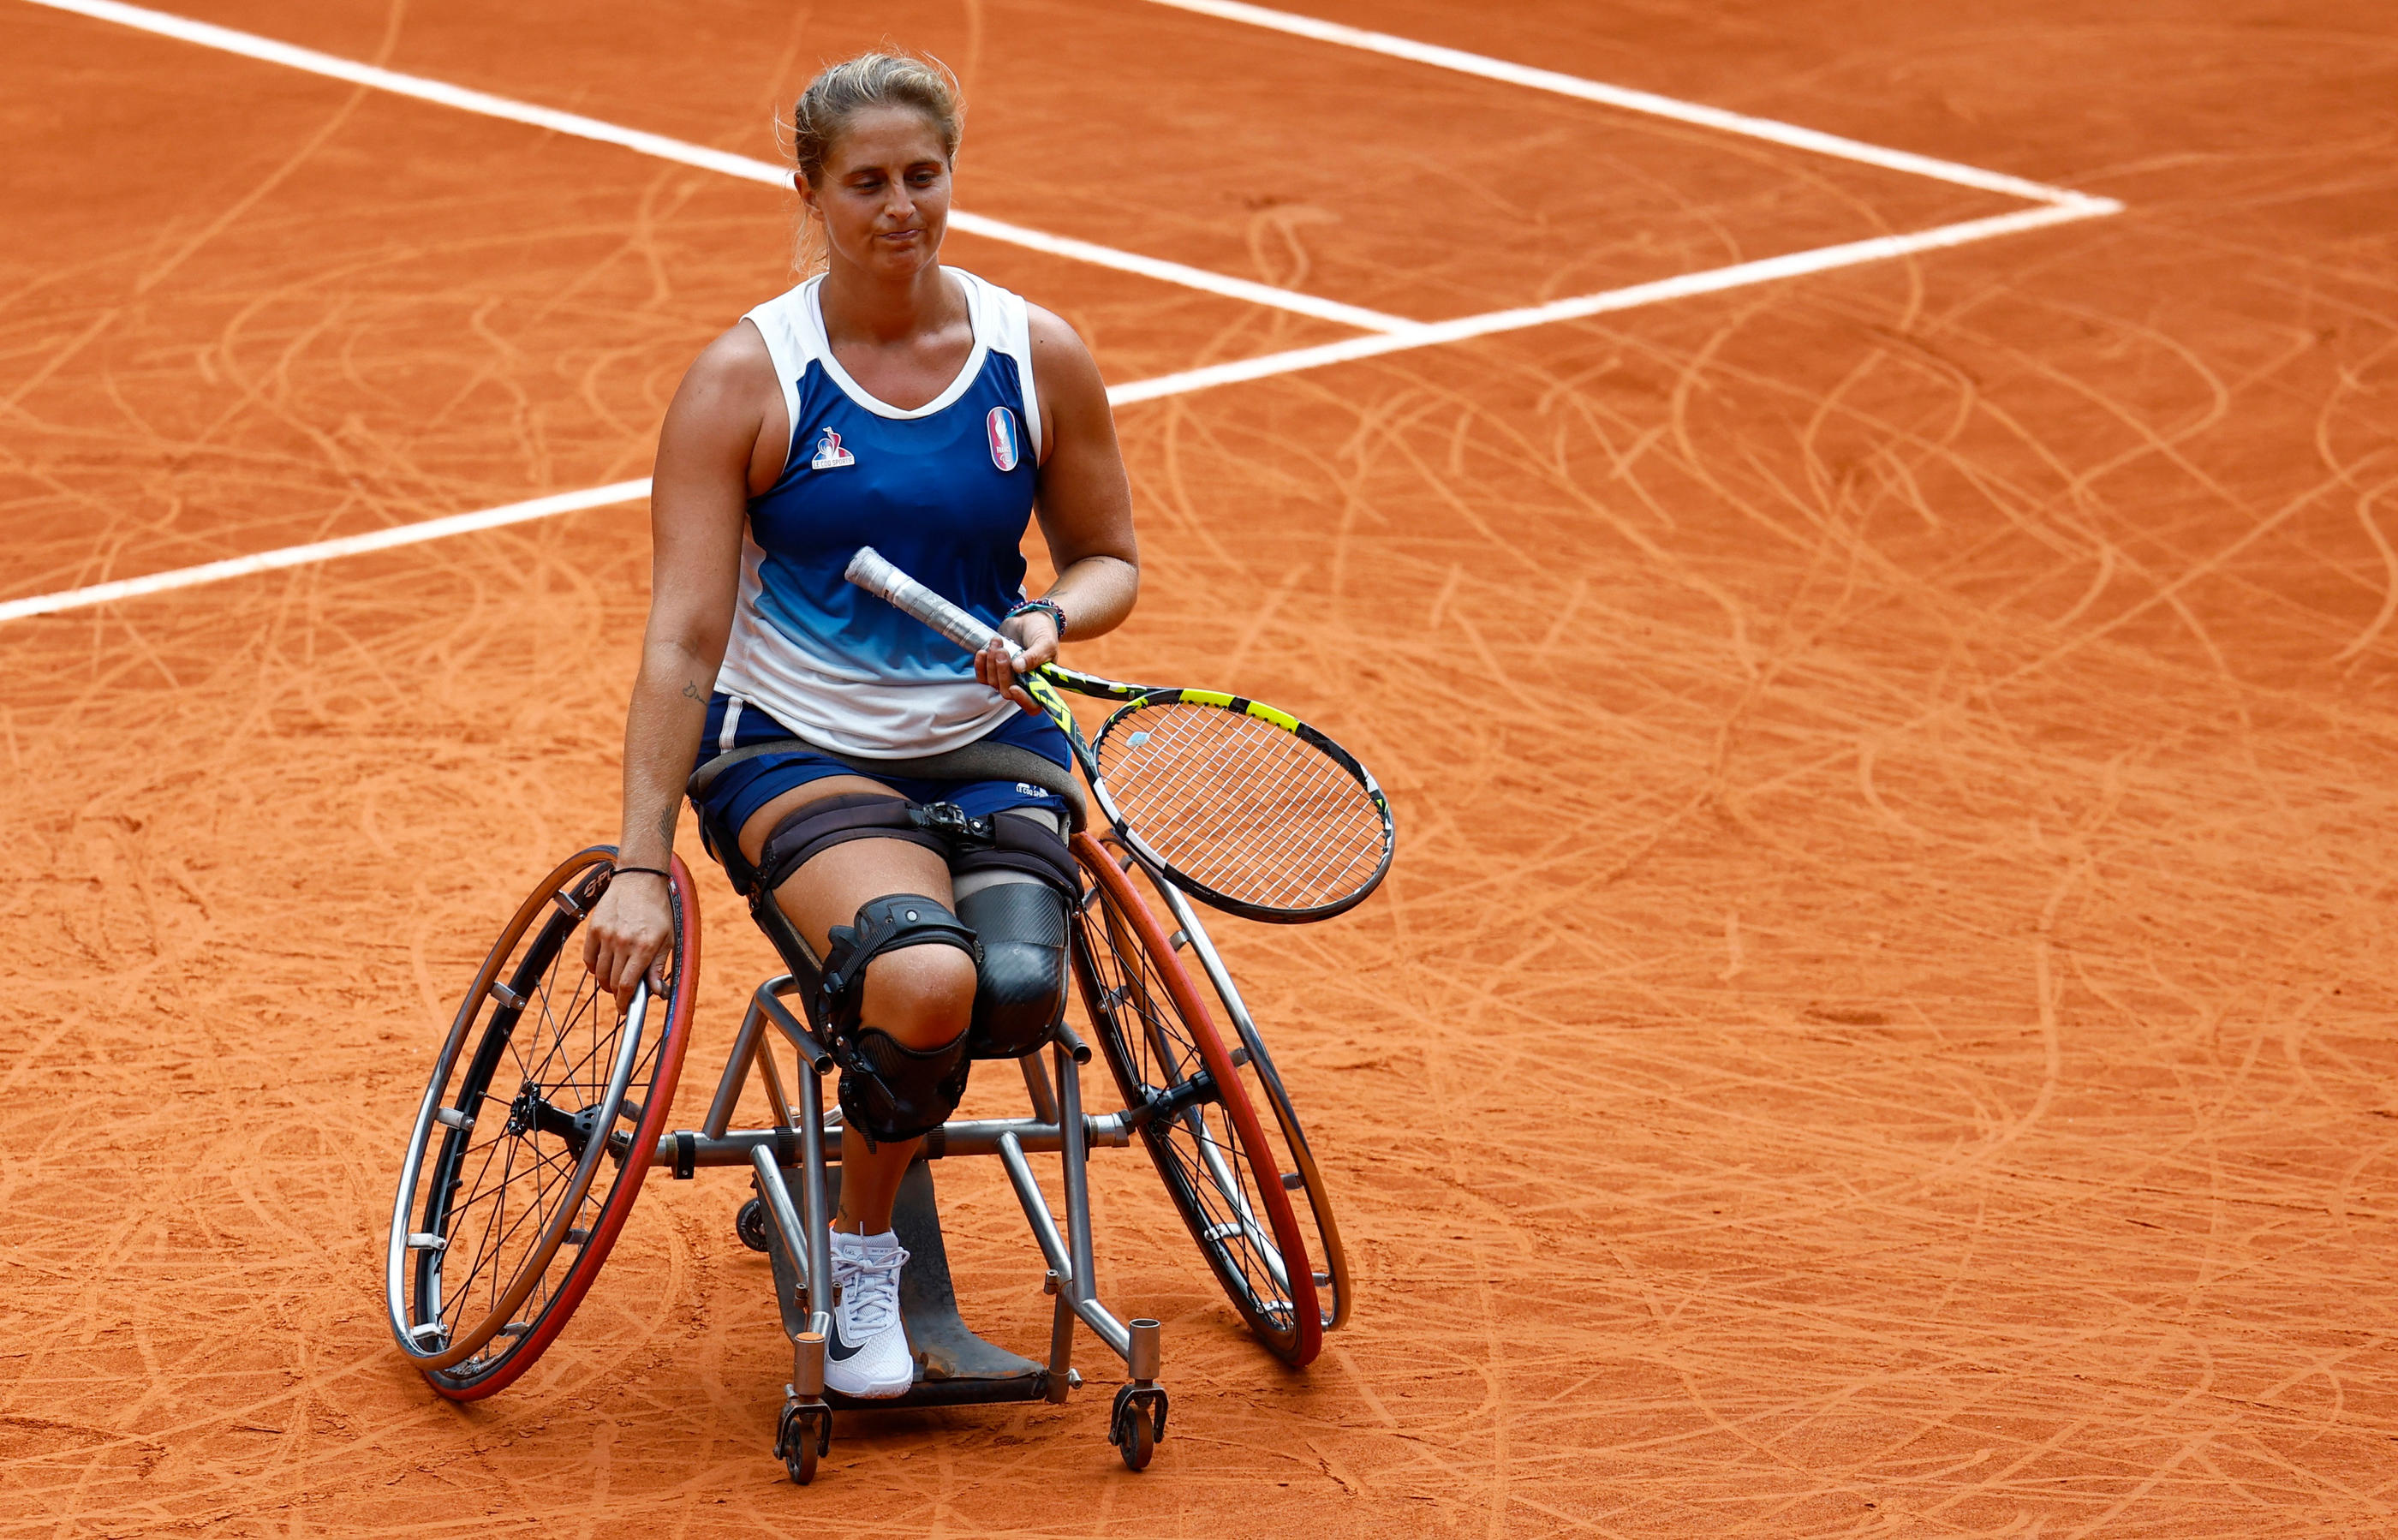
(1002, 426)
(829, 454)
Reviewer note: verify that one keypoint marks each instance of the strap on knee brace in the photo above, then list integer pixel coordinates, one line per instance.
(995, 842)
(816, 827)
(890, 923)
(1006, 842)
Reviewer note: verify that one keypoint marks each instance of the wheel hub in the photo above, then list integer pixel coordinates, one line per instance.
(525, 1111)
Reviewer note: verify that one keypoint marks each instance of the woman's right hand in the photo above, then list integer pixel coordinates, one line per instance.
(629, 933)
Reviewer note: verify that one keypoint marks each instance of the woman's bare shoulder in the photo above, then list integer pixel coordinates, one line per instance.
(736, 358)
(729, 394)
(1059, 353)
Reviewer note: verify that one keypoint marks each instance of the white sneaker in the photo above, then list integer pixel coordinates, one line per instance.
(868, 1352)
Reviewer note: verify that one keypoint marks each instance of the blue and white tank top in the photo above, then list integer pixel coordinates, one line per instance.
(945, 490)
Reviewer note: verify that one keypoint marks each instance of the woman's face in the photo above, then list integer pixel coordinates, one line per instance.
(884, 198)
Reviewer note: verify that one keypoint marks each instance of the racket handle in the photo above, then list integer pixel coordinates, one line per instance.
(869, 571)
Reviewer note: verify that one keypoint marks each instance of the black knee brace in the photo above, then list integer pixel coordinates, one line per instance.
(1020, 986)
(888, 1090)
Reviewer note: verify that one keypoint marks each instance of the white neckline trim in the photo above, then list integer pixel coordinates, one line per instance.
(880, 407)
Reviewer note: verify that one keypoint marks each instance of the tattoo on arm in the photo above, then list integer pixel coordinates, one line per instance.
(666, 824)
(693, 692)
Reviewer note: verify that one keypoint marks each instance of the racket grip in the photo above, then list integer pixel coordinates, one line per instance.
(869, 571)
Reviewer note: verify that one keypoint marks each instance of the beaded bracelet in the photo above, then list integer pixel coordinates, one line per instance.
(1049, 607)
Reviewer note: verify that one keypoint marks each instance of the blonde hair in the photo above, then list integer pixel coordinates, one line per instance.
(842, 90)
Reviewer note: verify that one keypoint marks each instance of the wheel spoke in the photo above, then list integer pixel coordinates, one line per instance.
(544, 1157)
(483, 1243)
(545, 1183)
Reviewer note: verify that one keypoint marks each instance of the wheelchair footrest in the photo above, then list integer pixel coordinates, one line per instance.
(1030, 1387)
(954, 1367)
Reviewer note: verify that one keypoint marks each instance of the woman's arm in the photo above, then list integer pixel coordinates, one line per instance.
(1085, 509)
(698, 503)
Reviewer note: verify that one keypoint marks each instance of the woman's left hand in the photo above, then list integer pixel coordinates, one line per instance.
(1037, 634)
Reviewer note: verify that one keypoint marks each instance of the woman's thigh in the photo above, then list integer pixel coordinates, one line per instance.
(830, 888)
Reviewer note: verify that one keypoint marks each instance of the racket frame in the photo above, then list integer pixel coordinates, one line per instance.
(869, 570)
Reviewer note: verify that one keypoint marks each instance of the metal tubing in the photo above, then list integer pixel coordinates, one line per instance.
(1109, 1329)
(774, 1091)
(1076, 1159)
(807, 1365)
(966, 1137)
(1036, 1213)
(778, 1202)
(1081, 1288)
(1061, 1341)
(1036, 1085)
(1141, 1362)
(812, 1052)
(733, 1149)
(812, 1163)
(737, 1070)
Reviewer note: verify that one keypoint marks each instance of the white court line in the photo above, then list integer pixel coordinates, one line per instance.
(326, 550)
(1713, 280)
(267, 50)
(1631, 100)
(1716, 280)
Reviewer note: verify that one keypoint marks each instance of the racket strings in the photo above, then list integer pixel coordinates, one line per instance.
(1241, 807)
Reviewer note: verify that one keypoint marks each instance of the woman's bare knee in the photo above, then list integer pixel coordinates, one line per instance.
(922, 996)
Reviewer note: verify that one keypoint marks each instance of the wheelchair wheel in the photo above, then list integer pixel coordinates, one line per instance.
(1286, 1137)
(1194, 1110)
(535, 1135)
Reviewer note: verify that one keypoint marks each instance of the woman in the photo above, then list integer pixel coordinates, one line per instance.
(894, 402)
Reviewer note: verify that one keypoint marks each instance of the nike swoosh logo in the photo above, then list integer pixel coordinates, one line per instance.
(839, 1351)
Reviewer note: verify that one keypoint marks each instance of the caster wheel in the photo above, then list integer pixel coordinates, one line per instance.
(1135, 1423)
(1139, 1444)
(802, 1436)
(750, 1225)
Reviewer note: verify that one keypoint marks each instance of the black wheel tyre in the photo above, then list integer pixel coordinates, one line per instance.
(1135, 1423)
(802, 1436)
(751, 1225)
(1137, 1444)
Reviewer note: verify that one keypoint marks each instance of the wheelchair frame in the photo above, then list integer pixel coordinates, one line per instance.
(802, 1143)
(1058, 1124)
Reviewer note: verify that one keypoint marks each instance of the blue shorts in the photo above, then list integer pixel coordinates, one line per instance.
(742, 790)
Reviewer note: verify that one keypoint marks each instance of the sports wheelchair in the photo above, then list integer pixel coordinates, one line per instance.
(548, 1106)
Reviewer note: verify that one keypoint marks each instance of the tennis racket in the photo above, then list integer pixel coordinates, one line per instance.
(1238, 804)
